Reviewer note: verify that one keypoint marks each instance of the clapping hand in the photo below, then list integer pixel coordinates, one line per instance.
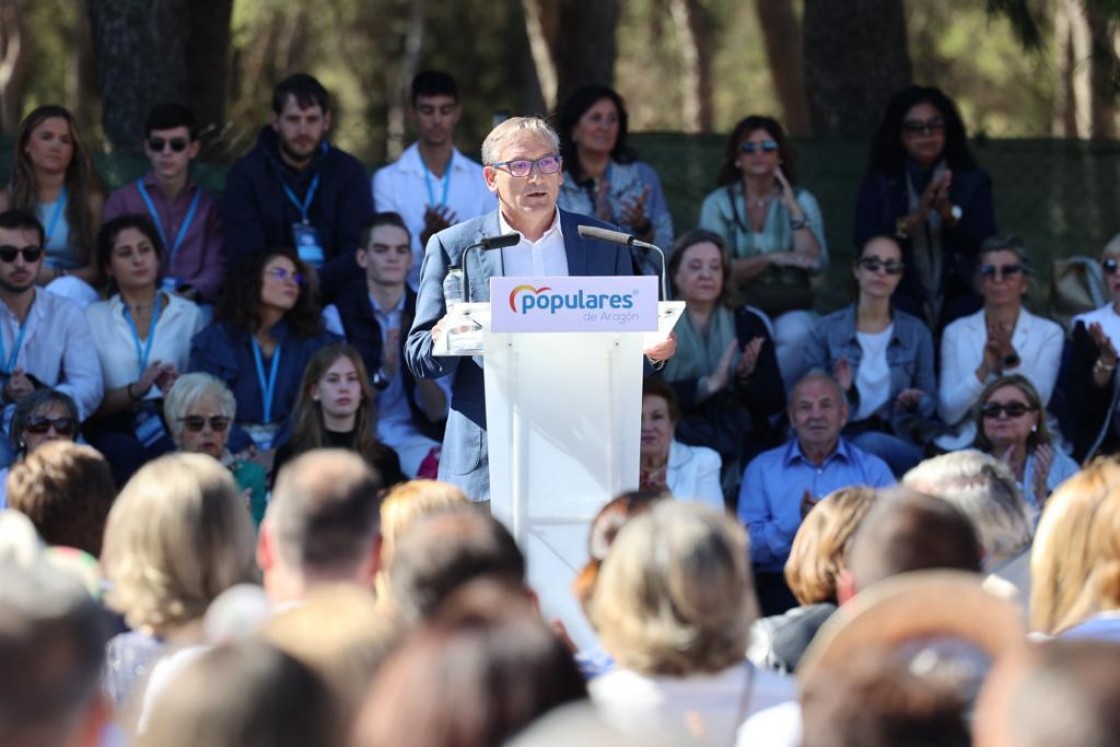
(748, 361)
(908, 399)
(634, 214)
(435, 220)
(843, 373)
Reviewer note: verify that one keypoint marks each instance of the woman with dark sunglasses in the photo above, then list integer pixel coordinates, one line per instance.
(883, 360)
(266, 327)
(1011, 426)
(1002, 338)
(774, 231)
(43, 415)
(924, 187)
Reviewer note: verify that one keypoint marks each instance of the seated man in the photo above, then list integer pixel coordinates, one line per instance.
(45, 340)
(375, 316)
(296, 189)
(432, 185)
(815, 462)
(183, 212)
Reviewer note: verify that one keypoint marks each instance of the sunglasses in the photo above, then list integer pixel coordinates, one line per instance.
(992, 272)
(40, 425)
(1110, 265)
(522, 168)
(929, 127)
(157, 144)
(992, 410)
(8, 254)
(767, 146)
(195, 423)
(283, 275)
(874, 264)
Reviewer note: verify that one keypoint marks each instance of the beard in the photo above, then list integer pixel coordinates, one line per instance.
(298, 156)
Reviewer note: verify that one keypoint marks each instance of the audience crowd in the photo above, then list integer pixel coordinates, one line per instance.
(897, 523)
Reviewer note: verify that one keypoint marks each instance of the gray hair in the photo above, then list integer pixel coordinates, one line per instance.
(984, 489)
(186, 391)
(1007, 242)
(35, 402)
(512, 127)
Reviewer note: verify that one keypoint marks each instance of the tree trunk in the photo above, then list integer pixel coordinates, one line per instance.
(694, 33)
(400, 81)
(1102, 80)
(207, 62)
(14, 48)
(139, 45)
(855, 59)
(781, 34)
(587, 48)
(542, 20)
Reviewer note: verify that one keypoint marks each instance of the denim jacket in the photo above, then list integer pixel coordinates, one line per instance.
(909, 356)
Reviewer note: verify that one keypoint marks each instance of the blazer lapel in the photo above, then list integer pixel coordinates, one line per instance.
(486, 263)
(575, 247)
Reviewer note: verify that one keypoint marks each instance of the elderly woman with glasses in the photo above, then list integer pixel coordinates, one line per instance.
(42, 416)
(882, 358)
(1002, 338)
(199, 410)
(774, 231)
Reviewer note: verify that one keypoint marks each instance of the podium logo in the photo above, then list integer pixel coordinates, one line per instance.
(525, 299)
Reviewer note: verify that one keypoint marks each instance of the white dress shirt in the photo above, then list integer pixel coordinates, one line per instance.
(545, 257)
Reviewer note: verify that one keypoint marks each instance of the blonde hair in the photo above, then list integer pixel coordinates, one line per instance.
(1067, 546)
(511, 128)
(820, 547)
(178, 535)
(675, 594)
(403, 505)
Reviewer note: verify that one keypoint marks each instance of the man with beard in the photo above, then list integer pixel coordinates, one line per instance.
(296, 189)
(776, 484)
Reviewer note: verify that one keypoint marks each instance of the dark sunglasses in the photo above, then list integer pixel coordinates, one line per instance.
(178, 144)
(1011, 409)
(768, 146)
(874, 264)
(928, 127)
(8, 254)
(991, 272)
(1110, 265)
(40, 425)
(195, 423)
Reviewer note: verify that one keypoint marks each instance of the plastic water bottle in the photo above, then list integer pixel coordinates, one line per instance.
(453, 287)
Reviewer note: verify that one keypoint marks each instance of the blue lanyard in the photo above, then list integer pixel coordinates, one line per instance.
(11, 361)
(57, 214)
(143, 354)
(268, 391)
(428, 184)
(172, 249)
(306, 204)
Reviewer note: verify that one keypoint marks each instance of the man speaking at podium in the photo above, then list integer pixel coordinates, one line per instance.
(522, 167)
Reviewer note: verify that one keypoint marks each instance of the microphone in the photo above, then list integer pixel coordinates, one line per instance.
(501, 241)
(625, 239)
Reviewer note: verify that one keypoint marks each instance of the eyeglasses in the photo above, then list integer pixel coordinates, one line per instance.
(768, 146)
(933, 126)
(195, 423)
(40, 425)
(522, 168)
(157, 144)
(874, 264)
(8, 253)
(992, 410)
(1002, 272)
(283, 275)
(1111, 265)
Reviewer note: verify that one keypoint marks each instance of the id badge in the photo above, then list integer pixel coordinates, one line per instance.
(262, 434)
(148, 426)
(308, 246)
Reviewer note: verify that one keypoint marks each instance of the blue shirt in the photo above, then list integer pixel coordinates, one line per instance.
(774, 482)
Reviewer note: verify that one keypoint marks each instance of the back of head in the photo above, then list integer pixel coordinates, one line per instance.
(52, 642)
(820, 547)
(66, 490)
(674, 595)
(325, 513)
(444, 550)
(409, 501)
(246, 694)
(878, 700)
(984, 489)
(909, 531)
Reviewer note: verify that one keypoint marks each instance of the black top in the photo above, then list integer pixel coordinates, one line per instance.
(385, 460)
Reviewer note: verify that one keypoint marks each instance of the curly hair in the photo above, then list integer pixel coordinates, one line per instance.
(888, 156)
(729, 172)
(239, 302)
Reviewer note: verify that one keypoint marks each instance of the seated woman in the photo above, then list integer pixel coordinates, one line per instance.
(725, 373)
(774, 231)
(43, 415)
(334, 409)
(882, 359)
(1089, 382)
(688, 472)
(1011, 426)
(54, 179)
(200, 410)
(142, 335)
(266, 328)
(1002, 338)
(604, 176)
(924, 187)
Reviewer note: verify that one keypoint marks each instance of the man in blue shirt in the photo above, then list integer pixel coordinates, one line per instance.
(814, 463)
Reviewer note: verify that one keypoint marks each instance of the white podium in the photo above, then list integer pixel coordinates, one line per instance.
(563, 420)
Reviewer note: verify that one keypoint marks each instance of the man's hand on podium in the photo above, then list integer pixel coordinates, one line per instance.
(662, 351)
